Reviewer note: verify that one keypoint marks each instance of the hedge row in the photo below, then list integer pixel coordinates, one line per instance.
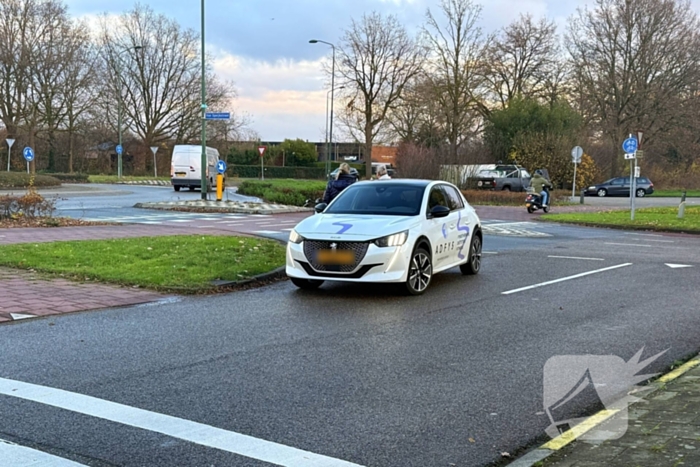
(21, 180)
(253, 171)
(69, 178)
(287, 192)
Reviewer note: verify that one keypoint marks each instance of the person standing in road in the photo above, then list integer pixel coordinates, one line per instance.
(343, 180)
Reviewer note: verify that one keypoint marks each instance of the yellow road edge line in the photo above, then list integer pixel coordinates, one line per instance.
(679, 371)
(583, 427)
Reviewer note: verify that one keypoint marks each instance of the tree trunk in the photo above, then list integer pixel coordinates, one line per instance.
(368, 149)
(70, 152)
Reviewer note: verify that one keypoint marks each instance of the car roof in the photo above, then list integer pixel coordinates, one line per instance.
(404, 181)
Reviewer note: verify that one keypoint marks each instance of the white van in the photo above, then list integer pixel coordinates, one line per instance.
(185, 167)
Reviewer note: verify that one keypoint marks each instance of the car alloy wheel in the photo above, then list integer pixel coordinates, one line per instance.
(602, 192)
(641, 193)
(306, 284)
(420, 272)
(473, 265)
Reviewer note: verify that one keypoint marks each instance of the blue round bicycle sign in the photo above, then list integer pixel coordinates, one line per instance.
(28, 154)
(630, 145)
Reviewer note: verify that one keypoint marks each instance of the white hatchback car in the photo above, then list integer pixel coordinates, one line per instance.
(398, 231)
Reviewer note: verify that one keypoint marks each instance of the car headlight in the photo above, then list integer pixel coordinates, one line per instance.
(591, 188)
(396, 239)
(294, 237)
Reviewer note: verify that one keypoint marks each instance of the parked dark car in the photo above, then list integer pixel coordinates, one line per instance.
(620, 186)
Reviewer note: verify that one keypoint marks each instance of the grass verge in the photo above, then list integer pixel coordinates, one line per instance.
(659, 219)
(181, 264)
(289, 192)
(676, 193)
(116, 179)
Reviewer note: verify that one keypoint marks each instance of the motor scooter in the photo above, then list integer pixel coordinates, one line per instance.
(533, 201)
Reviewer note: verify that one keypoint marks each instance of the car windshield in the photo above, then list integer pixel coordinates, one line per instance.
(379, 198)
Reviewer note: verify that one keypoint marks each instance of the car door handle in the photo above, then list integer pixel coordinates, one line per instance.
(452, 226)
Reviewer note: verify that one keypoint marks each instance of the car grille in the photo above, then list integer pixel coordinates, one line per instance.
(312, 247)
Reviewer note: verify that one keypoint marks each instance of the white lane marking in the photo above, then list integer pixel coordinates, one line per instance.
(20, 456)
(18, 316)
(489, 252)
(659, 241)
(628, 244)
(181, 220)
(678, 266)
(267, 232)
(187, 430)
(576, 257)
(643, 235)
(568, 278)
(287, 230)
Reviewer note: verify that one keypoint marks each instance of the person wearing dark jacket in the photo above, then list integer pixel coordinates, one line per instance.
(343, 180)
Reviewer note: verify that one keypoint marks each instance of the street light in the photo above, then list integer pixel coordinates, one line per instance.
(120, 149)
(204, 165)
(328, 94)
(330, 133)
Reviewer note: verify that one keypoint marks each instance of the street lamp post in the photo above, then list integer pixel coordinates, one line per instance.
(204, 165)
(120, 148)
(330, 132)
(327, 139)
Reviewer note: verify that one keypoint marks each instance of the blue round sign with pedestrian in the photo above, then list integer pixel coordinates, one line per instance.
(630, 145)
(221, 167)
(28, 154)
(119, 149)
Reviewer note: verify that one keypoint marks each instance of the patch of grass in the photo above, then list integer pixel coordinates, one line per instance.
(116, 179)
(21, 180)
(183, 264)
(285, 191)
(662, 219)
(676, 193)
(509, 198)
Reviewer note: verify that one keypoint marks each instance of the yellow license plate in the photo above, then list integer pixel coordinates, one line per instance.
(334, 257)
(527, 205)
(180, 174)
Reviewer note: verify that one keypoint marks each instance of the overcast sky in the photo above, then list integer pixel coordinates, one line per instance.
(262, 45)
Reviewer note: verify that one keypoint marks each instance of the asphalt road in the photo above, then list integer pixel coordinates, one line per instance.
(350, 372)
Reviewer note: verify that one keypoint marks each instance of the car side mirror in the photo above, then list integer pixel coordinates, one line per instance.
(320, 207)
(439, 211)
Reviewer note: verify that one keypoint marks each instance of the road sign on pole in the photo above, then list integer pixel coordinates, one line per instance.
(155, 164)
(10, 142)
(576, 155)
(217, 115)
(261, 150)
(630, 145)
(630, 156)
(28, 154)
(119, 149)
(637, 172)
(221, 167)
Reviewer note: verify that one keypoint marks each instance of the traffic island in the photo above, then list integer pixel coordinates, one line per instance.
(223, 206)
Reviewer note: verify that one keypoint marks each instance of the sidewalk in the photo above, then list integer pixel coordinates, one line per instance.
(663, 430)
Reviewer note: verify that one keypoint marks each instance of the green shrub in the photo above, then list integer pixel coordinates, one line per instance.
(69, 178)
(21, 180)
(289, 192)
(253, 171)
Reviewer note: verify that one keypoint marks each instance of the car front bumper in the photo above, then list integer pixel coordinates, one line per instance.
(388, 264)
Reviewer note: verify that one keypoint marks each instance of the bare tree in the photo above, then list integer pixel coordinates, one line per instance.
(635, 66)
(455, 72)
(377, 59)
(157, 66)
(524, 61)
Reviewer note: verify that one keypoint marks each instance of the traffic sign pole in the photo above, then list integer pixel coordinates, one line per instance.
(261, 150)
(10, 142)
(576, 155)
(221, 169)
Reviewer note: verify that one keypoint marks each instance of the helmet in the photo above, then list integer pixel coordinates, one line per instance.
(539, 172)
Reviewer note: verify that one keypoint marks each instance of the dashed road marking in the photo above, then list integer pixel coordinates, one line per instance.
(576, 257)
(628, 244)
(20, 456)
(568, 278)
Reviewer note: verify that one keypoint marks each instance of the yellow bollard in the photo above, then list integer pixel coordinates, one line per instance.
(219, 187)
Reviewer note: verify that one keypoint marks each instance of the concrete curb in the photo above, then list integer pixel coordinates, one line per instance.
(267, 276)
(145, 182)
(223, 206)
(540, 453)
